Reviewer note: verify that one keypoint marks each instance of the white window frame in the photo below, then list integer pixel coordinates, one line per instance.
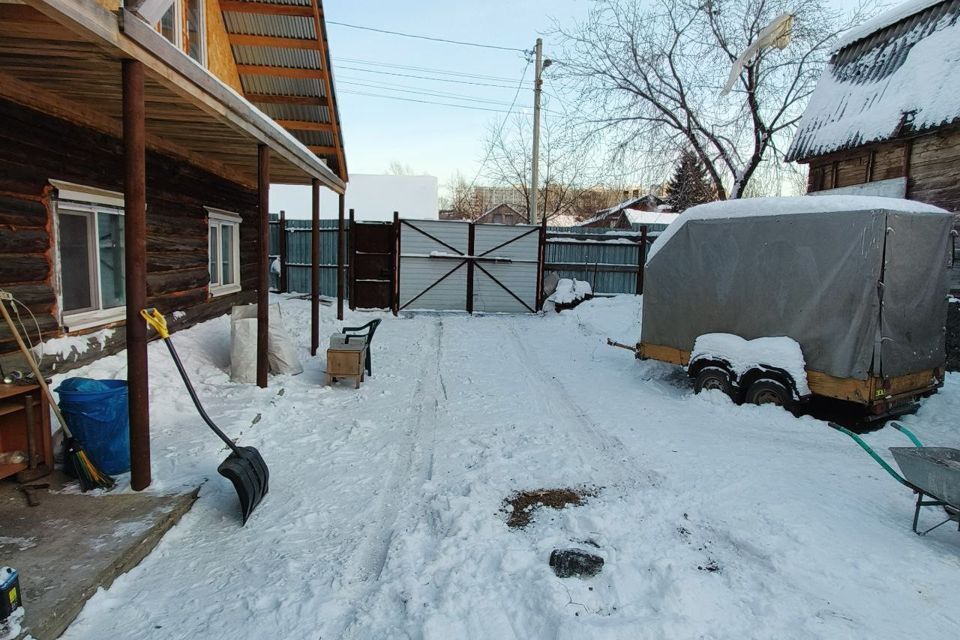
(217, 221)
(179, 23)
(81, 200)
(202, 30)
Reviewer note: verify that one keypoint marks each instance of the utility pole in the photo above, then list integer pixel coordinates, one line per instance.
(537, 83)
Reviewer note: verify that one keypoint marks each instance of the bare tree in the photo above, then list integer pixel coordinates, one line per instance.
(461, 198)
(398, 168)
(567, 164)
(651, 74)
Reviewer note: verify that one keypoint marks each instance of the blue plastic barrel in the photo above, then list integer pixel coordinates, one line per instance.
(96, 412)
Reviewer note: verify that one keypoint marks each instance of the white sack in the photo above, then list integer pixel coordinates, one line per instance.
(281, 351)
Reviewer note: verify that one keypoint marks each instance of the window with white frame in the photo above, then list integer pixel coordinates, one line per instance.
(224, 252)
(90, 254)
(185, 25)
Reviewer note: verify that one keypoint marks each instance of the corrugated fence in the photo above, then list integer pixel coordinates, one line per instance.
(298, 256)
(609, 259)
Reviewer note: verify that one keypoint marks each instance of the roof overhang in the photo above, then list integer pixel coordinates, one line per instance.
(64, 57)
(283, 60)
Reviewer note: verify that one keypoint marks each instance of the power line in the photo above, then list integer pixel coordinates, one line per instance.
(420, 37)
(442, 104)
(408, 75)
(435, 94)
(434, 70)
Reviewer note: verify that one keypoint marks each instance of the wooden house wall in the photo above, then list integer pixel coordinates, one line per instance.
(35, 148)
(220, 60)
(931, 163)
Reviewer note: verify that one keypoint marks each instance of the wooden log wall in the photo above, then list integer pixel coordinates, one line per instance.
(35, 148)
(931, 163)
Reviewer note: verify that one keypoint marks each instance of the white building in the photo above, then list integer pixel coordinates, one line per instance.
(372, 197)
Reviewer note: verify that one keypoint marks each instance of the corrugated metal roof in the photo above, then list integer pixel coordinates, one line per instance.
(277, 57)
(281, 86)
(899, 80)
(265, 24)
(284, 82)
(288, 111)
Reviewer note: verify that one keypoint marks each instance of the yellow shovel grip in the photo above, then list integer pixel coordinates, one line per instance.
(156, 320)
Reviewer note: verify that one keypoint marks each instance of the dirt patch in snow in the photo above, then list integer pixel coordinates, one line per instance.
(521, 506)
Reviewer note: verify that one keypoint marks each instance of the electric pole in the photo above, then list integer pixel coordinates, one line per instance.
(537, 82)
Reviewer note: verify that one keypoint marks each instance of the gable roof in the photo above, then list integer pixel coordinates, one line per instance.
(503, 208)
(283, 58)
(650, 201)
(899, 79)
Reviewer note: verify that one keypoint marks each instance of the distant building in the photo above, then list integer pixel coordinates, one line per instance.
(649, 210)
(502, 214)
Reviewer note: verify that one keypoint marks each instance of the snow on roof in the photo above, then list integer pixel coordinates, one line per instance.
(649, 199)
(636, 216)
(762, 207)
(882, 21)
(900, 79)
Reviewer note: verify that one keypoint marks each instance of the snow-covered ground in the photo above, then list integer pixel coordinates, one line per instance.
(384, 518)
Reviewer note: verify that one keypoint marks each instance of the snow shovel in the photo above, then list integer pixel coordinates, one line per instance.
(244, 467)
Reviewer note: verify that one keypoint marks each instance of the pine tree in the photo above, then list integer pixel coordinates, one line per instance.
(689, 185)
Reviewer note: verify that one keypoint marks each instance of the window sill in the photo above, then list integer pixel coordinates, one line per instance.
(217, 291)
(90, 319)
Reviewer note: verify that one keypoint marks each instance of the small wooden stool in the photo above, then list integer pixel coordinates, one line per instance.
(346, 361)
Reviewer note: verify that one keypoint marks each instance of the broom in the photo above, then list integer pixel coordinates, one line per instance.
(86, 471)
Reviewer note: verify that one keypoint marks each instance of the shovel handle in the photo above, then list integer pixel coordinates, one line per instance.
(156, 320)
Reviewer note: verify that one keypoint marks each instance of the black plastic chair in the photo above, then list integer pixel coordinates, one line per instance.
(366, 332)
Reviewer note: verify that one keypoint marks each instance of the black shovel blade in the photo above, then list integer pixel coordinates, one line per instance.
(248, 472)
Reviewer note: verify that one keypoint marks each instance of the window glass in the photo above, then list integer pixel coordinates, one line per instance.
(226, 257)
(168, 24)
(214, 245)
(110, 239)
(195, 35)
(75, 262)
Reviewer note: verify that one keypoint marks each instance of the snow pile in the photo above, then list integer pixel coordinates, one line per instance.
(73, 346)
(743, 355)
(846, 110)
(570, 291)
(796, 205)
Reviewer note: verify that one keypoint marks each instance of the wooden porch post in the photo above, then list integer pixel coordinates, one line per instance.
(135, 265)
(263, 264)
(341, 250)
(315, 270)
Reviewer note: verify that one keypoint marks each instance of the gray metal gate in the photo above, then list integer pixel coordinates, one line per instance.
(456, 265)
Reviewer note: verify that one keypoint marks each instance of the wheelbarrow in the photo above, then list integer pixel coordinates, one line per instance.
(933, 473)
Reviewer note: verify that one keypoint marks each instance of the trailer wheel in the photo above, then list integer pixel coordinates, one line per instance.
(713, 378)
(769, 391)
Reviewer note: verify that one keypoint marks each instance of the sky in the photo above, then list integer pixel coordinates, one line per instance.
(429, 138)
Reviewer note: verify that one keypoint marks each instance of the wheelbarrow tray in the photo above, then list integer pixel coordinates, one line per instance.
(933, 470)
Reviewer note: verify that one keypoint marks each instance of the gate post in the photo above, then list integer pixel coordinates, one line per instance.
(471, 232)
(352, 264)
(395, 292)
(541, 259)
(282, 236)
(341, 249)
(641, 259)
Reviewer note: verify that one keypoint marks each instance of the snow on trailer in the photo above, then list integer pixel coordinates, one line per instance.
(860, 283)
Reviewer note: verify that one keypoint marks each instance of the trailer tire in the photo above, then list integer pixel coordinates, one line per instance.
(769, 391)
(712, 377)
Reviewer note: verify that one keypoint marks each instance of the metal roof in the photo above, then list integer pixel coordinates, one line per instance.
(896, 81)
(283, 59)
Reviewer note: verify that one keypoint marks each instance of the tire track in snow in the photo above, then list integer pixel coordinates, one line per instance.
(552, 395)
(402, 489)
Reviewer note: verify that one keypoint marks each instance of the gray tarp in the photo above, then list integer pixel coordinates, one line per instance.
(810, 276)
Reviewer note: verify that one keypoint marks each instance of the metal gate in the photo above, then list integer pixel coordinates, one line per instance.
(454, 265)
(372, 250)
